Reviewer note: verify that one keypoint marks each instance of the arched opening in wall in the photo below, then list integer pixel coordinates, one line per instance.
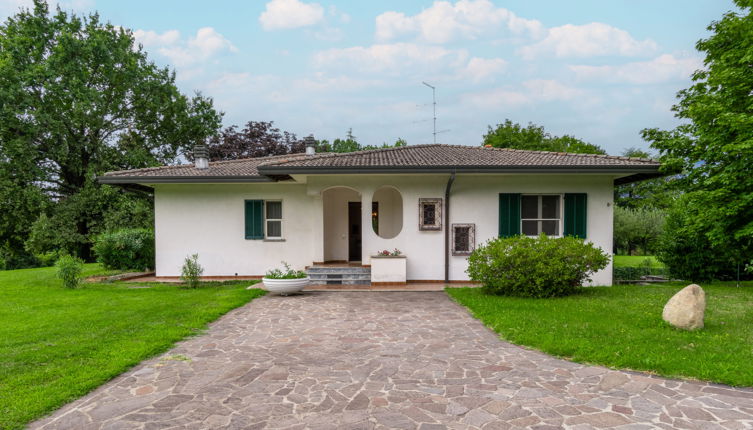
(387, 212)
(342, 224)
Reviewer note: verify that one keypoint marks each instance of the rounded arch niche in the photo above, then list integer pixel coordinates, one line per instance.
(387, 212)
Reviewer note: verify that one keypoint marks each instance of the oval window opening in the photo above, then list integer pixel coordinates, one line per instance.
(387, 212)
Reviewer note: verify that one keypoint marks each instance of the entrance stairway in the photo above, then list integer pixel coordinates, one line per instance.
(339, 275)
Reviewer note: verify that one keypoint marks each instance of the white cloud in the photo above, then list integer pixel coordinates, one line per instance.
(528, 93)
(663, 68)
(398, 58)
(444, 22)
(496, 98)
(286, 14)
(479, 69)
(342, 16)
(589, 40)
(550, 90)
(204, 45)
(152, 38)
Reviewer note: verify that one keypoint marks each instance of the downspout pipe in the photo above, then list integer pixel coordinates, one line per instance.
(447, 227)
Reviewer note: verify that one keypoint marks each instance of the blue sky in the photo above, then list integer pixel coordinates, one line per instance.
(597, 70)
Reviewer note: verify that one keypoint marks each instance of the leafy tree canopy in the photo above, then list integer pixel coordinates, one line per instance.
(714, 147)
(78, 98)
(262, 139)
(256, 139)
(535, 138)
(656, 193)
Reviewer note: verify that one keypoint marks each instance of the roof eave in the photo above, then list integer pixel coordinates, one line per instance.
(271, 170)
(114, 180)
(637, 177)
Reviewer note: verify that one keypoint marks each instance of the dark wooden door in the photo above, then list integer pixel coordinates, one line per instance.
(354, 231)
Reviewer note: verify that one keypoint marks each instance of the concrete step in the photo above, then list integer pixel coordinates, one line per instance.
(344, 282)
(320, 276)
(324, 269)
(342, 275)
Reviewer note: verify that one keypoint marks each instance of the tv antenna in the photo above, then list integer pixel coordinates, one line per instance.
(434, 110)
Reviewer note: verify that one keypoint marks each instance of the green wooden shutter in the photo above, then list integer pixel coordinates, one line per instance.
(509, 215)
(576, 218)
(254, 217)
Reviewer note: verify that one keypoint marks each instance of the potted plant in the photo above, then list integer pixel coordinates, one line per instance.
(285, 281)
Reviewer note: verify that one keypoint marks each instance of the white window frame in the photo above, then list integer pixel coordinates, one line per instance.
(280, 220)
(540, 208)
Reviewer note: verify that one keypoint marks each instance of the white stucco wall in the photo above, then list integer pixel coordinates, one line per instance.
(208, 219)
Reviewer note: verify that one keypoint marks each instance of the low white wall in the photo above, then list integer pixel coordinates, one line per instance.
(388, 269)
(209, 219)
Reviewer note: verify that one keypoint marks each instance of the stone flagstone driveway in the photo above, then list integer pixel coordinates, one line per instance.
(384, 360)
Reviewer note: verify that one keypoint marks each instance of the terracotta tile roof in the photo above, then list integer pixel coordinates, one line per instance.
(246, 167)
(420, 157)
(455, 156)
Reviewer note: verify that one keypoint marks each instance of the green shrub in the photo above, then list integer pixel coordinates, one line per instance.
(47, 259)
(535, 267)
(126, 249)
(684, 247)
(69, 270)
(288, 273)
(191, 271)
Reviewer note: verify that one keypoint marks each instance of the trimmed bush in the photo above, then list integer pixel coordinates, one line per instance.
(69, 270)
(126, 249)
(191, 271)
(535, 267)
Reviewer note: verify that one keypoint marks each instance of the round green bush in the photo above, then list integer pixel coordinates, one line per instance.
(126, 249)
(535, 267)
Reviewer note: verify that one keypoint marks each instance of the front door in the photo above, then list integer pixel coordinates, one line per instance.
(354, 231)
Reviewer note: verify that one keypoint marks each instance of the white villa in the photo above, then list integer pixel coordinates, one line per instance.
(434, 203)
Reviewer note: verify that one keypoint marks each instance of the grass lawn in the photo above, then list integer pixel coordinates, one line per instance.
(622, 327)
(56, 344)
(635, 261)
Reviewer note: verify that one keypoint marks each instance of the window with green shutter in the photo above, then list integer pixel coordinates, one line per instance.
(254, 216)
(576, 218)
(509, 215)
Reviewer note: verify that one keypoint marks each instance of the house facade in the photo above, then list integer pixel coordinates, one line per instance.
(434, 203)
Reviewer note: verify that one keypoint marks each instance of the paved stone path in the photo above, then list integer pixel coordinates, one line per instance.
(384, 360)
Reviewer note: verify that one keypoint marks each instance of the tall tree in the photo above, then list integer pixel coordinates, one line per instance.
(659, 193)
(256, 139)
(77, 98)
(533, 137)
(713, 148)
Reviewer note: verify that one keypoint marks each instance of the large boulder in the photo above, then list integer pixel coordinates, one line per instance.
(686, 309)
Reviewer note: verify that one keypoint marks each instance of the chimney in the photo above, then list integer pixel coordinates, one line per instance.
(201, 156)
(310, 144)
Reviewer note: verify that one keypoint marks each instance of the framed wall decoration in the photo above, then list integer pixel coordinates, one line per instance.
(430, 214)
(463, 239)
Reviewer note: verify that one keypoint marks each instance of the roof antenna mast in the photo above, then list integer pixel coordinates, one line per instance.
(434, 106)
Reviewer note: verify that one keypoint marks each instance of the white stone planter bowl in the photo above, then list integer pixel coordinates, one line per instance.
(285, 286)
